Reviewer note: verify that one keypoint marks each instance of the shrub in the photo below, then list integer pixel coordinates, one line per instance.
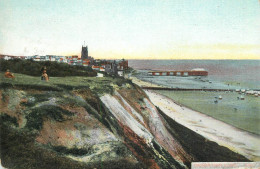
(35, 118)
(72, 151)
(5, 118)
(54, 69)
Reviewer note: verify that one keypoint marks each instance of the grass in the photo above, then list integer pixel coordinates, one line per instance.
(243, 114)
(97, 85)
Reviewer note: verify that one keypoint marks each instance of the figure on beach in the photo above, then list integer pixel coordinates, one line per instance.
(44, 74)
(8, 74)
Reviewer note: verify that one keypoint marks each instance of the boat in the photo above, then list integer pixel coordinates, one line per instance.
(242, 97)
(220, 97)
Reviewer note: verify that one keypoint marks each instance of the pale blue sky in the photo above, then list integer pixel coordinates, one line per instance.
(131, 28)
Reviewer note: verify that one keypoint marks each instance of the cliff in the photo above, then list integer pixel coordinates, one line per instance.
(77, 122)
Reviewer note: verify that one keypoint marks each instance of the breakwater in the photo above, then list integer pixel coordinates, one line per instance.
(184, 89)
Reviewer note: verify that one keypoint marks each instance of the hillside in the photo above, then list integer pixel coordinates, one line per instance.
(89, 122)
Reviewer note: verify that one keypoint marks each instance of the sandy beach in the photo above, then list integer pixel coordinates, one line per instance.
(238, 140)
(142, 83)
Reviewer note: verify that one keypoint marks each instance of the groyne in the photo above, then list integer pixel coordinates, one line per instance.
(185, 89)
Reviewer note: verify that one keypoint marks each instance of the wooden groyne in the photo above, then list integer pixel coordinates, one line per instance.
(183, 89)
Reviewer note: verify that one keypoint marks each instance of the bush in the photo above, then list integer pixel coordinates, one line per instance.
(35, 118)
(4, 118)
(54, 69)
(72, 151)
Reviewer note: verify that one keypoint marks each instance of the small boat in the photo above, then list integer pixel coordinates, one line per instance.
(237, 90)
(220, 97)
(216, 101)
(242, 97)
(256, 95)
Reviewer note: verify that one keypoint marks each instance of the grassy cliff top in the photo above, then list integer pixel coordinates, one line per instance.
(98, 85)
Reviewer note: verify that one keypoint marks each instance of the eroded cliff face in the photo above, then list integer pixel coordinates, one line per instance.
(78, 128)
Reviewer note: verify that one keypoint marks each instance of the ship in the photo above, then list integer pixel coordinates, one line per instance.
(193, 72)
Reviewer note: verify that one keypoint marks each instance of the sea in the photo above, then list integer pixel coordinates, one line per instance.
(222, 74)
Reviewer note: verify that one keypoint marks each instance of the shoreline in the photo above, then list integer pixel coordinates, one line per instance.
(215, 130)
(209, 127)
(181, 105)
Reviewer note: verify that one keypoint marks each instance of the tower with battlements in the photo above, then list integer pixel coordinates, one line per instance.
(84, 53)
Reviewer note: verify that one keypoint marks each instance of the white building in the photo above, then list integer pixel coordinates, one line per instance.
(100, 75)
(120, 73)
(7, 58)
(36, 58)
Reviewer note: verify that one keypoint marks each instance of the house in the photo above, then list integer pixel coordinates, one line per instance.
(111, 68)
(51, 58)
(97, 68)
(42, 58)
(102, 69)
(7, 57)
(79, 62)
(123, 64)
(36, 58)
(86, 62)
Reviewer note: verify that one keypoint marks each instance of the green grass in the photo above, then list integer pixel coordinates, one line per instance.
(97, 85)
(244, 114)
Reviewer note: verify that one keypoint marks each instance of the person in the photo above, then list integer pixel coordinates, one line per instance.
(45, 76)
(8, 74)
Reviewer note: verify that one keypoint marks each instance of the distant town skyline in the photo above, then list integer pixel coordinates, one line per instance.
(132, 29)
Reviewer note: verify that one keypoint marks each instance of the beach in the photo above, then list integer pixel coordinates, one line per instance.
(239, 141)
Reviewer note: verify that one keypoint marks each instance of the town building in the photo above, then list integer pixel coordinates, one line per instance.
(123, 64)
(97, 68)
(111, 68)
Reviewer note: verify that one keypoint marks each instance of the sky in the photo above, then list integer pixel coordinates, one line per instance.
(132, 29)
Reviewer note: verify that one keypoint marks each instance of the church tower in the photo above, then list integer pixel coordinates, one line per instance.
(84, 53)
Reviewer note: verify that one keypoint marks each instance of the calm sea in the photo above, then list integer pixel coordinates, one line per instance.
(222, 73)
